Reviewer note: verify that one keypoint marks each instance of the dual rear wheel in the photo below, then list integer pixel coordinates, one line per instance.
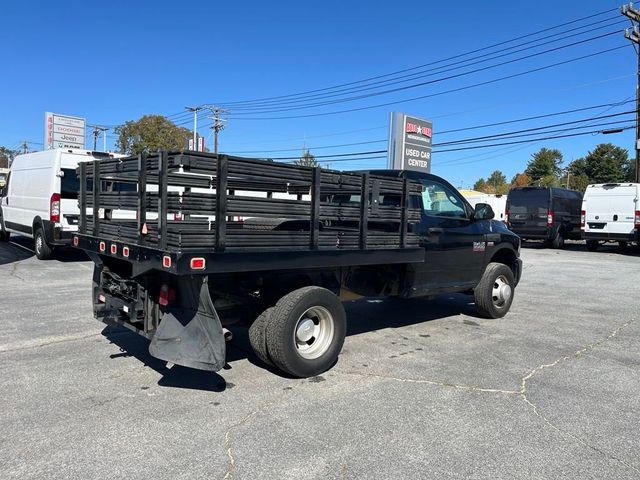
(302, 334)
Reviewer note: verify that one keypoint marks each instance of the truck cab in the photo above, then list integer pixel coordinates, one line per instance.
(458, 239)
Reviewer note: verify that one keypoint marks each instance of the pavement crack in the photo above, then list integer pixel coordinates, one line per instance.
(581, 351)
(228, 446)
(473, 388)
(13, 272)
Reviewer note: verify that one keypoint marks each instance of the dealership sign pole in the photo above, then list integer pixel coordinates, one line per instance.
(410, 141)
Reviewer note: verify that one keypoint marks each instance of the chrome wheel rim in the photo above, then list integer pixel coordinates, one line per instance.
(314, 332)
(38, 244)
(501, 291)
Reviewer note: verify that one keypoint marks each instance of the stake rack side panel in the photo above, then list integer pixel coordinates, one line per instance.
(189, 200)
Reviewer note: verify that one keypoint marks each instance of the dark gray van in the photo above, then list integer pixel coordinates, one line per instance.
(544, 213)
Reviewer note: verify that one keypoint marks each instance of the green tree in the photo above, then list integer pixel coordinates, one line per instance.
(480, 185)
(544, 164)
(6, 157)
(606, 163)
(151, 133)
(497, 183)
(307, 160)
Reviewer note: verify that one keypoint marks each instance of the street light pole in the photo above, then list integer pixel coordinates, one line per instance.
(633, 34)
(195, 125)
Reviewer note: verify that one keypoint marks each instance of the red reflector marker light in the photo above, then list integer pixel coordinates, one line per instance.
(103, 246)
(114, 249)
(166, 261)
(637, 219)
(164, 296)
(198, 263)
(125, 252)
(75, 241)
(549, 218)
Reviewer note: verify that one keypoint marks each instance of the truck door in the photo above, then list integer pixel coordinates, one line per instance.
(454, 244)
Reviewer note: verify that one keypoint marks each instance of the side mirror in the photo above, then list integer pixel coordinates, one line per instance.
(483, 211)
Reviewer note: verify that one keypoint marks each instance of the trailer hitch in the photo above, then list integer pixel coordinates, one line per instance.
(190, 332)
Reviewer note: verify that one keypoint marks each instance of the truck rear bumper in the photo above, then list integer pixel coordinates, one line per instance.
(185, 332)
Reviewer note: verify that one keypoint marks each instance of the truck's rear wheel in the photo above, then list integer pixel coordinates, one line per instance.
(494, 293)
(306, 331)
(42, 249)
(258, 336)
(593, 245)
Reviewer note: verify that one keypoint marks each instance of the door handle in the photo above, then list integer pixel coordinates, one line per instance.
(435, 231)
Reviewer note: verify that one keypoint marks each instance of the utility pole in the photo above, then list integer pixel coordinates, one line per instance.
(218, 125)
(633, 34)
(96, 133)
(195, 111)
(25, 146)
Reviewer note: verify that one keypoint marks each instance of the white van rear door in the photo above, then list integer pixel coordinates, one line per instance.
(610, 208)
(69, 188)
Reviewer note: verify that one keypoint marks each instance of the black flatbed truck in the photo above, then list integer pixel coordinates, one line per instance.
(221, 239)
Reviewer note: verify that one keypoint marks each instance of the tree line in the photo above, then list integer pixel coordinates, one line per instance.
(607, 163)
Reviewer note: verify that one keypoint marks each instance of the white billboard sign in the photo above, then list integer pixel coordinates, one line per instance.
(63, 131)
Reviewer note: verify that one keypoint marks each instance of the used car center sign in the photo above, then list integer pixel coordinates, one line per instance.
(410, 141)
(63, 131)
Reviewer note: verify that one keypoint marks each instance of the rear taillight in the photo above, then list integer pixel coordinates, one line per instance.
(583, 219)
(637, 220)
(506, 218)
(549, 218)
(54, 208)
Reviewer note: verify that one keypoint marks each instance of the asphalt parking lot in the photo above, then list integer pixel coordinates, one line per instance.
(423, 389)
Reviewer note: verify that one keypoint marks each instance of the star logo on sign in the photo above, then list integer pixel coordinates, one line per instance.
(419, 131)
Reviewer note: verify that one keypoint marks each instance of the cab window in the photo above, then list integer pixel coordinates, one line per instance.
(439, 200)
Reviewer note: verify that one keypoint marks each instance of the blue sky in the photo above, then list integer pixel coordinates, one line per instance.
(115, 61)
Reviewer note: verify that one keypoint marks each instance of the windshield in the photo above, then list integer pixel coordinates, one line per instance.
(533, 200)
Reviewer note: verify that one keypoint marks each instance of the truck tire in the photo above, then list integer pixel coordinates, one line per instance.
(558, 241)
(40, 246)
(258, 336)
(494, 293)
(4, 235)
(593, 245)
(306, 331)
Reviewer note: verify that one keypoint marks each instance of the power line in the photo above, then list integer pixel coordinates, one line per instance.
(444, 92)
(439, 61)
(488, 47)
(429, 82)
(422, 74)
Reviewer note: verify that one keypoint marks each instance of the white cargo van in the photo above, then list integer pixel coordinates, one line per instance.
(40, 199)
(498, 202)
(611, 213)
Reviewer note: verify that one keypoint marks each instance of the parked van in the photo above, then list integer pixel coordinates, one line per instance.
(498, 202)
(40, 199)
(544, 213)
(611, 213)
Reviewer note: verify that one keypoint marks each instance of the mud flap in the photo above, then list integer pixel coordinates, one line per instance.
(190, 334)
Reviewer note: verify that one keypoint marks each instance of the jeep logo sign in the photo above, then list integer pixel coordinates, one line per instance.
(410, 141)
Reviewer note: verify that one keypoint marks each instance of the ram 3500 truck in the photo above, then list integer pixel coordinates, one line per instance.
(218, 239)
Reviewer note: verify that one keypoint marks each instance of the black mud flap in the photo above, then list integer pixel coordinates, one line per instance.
(190, 334)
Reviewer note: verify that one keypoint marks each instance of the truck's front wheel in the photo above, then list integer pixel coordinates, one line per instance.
(306, 331)
(494, 293)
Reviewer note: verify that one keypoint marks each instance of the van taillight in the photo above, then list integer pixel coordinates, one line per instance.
(506, 218)
(549, 218)
(637, 220)
(54, 208)
(583, 219)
